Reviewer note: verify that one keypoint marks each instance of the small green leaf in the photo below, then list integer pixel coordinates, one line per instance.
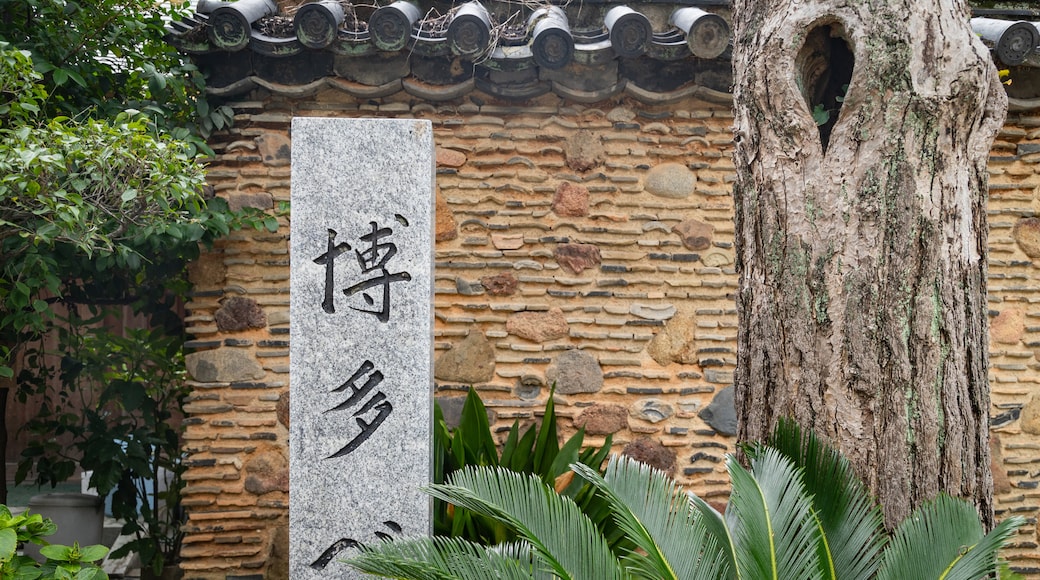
(91, 573)
(8, 543)
(77, 78)
(56, 552)
(821, 115)
(93, 553)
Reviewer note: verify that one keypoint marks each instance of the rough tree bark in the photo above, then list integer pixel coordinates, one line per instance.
(862, 240)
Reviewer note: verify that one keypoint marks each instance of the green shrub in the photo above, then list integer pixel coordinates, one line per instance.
(63, 562)
(797, 513)
(536, 451)
(129, 437)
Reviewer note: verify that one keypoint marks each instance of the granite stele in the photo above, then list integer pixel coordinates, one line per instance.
(361, 368)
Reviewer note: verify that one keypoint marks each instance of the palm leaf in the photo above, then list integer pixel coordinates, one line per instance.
(510, 445)
(594, 457)
(445, 559)
(475, 431)
(982, 558)
(944, 539)
(852, 525)
(715, 524)
(522, 459)
(547, 446)
(559, 534)
(774, 531)
(657, 516)
(567, 455)
(521, 552)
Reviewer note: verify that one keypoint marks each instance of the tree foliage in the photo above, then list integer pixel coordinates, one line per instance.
(92, 210)
(106, 56)
(102, 192)
(113, 410)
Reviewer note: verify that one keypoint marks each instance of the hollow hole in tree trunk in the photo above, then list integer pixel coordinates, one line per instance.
(825, 64)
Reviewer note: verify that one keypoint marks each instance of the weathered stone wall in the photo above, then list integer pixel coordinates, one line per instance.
(587, 245)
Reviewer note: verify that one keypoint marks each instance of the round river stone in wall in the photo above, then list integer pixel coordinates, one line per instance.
(445, 228)
(208, 269)
(500, 284)
(223, 365)
(671, 180)
(575, 371)
(1029, 420)
(652, 453)
(695, 235)
(238, 313)
(1001, 481)
(450, 157)
(451, 409)
(275, 149)
(602, 419)
(675, 342)
(652, 410)
(620, 115)
(282, 408)
(258, 200)
(267, 472)
(1008, 326)
(538, 326)
(571, 200)
(1027, 234)
(576, 258)
(472, 361)
(528, 387)
(721, 414)
(583, 151)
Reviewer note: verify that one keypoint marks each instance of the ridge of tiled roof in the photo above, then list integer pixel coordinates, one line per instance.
(656, 51)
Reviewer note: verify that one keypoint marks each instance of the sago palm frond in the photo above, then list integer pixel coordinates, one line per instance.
(851, 523)
(798, 514)
(944, 540)
(560, 535)
(773, 526)
(658, 517)
(441, 558)
(715, 523)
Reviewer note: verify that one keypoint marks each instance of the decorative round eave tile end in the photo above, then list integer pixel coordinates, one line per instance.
(551, 42)
(630, 31)
(1017, 43)
(317, 24)
(391, 26)
(228, 29)
(469, 33)
(707, 34)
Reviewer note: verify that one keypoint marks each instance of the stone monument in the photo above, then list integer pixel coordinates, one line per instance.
(361, 367)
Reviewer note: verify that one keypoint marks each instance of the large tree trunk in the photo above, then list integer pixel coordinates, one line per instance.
(862, 241)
